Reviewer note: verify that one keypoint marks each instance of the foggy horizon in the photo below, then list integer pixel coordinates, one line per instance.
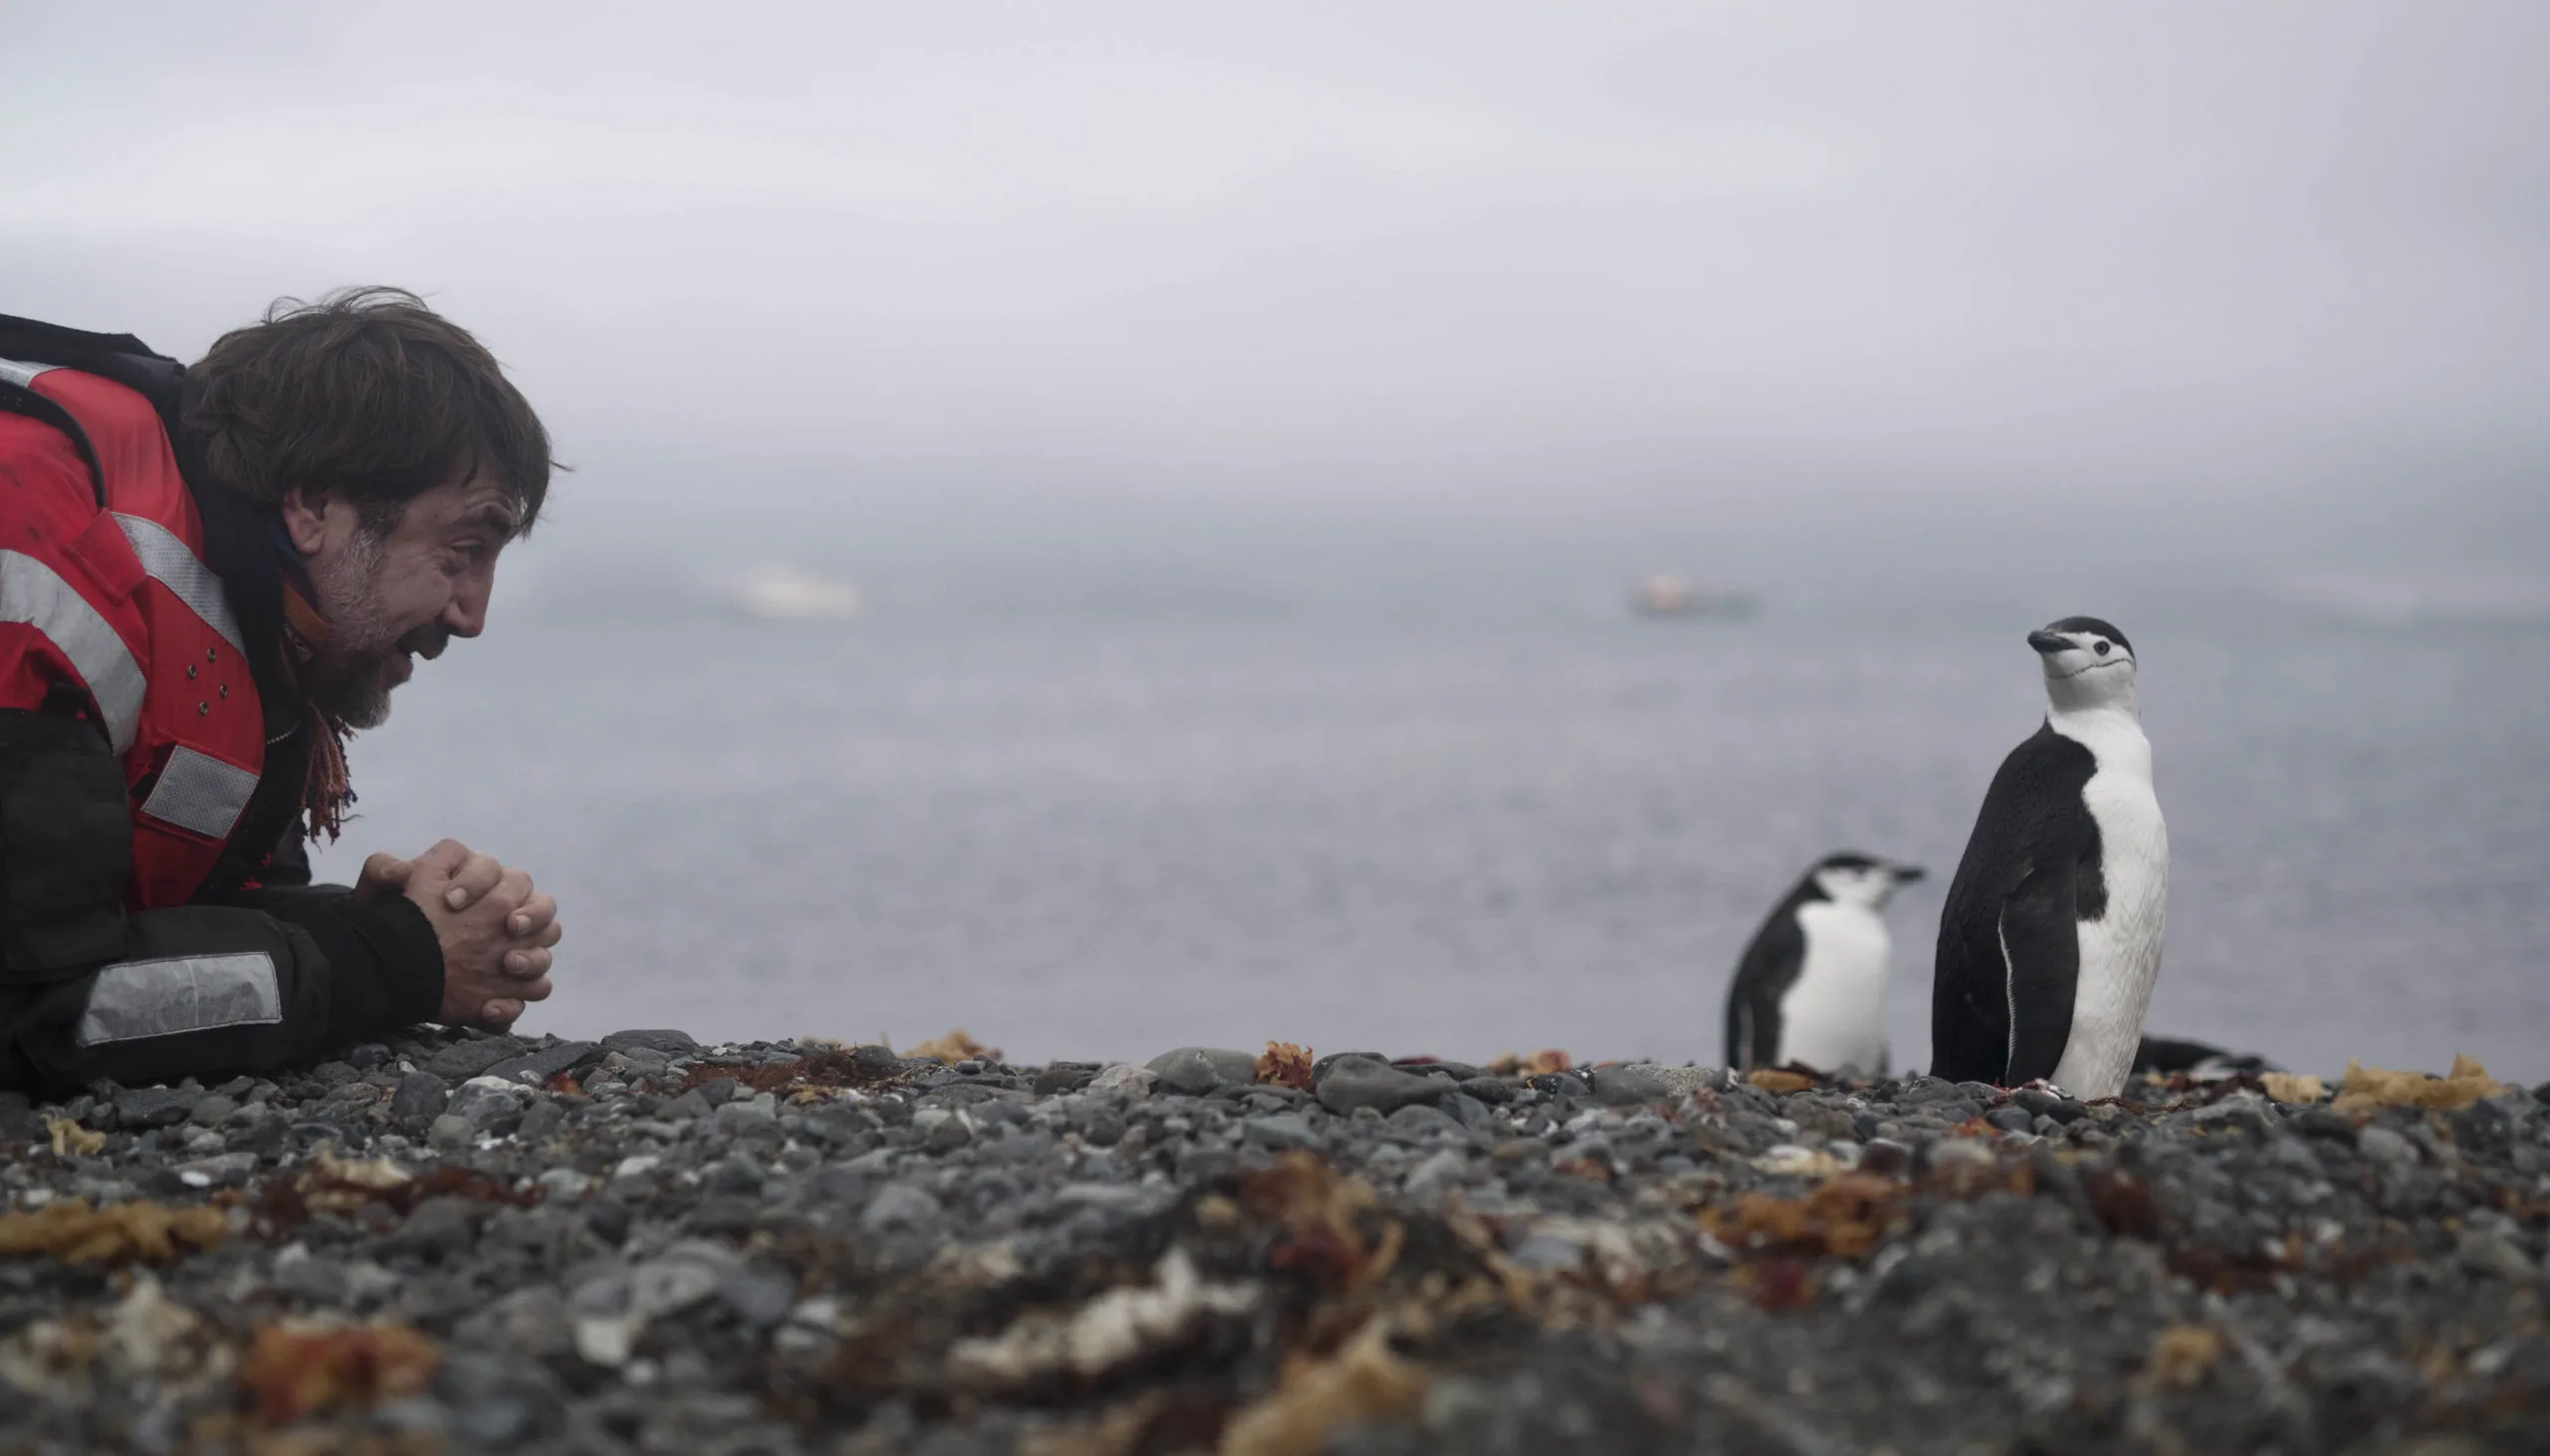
(2239, 302)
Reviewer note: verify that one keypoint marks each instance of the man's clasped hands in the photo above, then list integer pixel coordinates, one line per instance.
(494, 927)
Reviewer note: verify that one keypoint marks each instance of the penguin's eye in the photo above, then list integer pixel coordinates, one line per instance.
(2101, 648)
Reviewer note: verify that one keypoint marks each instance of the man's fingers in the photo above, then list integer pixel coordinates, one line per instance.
(446, 857)
(476, 875)
(511, 892)
(536, 912)
(526, 963)
(510, 1007)
(498, 1015)
(382, 874)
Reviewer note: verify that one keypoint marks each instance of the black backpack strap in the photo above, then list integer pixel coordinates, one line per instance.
(117, 356)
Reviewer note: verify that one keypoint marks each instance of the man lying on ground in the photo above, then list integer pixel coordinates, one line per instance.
(208, 578)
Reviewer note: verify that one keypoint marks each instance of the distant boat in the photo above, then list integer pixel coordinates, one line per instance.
(1664, 594)
(785, 593)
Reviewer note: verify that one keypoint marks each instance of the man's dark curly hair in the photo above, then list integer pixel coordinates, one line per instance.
(367, 393)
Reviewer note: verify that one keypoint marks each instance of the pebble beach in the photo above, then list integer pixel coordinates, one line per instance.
(461, 1242)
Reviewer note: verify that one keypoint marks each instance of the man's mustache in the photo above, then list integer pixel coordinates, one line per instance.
(425, 642)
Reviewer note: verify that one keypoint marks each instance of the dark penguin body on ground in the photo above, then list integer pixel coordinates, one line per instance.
(2042, 973)
(2167, 1054)
(1811, 988)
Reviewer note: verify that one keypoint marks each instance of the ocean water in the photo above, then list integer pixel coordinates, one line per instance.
(1103, 833)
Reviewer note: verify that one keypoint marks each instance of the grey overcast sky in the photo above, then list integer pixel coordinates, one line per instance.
(2259, 288)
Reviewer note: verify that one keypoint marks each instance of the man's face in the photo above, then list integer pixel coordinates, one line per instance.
(394, 596)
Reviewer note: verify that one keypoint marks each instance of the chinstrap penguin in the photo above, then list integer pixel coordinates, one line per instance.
(2050, 939)
(1811, 988)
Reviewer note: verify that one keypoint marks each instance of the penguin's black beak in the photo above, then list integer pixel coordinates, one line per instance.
(1906, 873)
(2048, 643)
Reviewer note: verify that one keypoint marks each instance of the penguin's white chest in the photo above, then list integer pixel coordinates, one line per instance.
(2121, 950)
(1834, 1015)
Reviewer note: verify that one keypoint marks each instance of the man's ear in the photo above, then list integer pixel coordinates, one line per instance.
(305, 518)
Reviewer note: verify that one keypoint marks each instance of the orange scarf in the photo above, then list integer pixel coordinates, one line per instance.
(327, 793)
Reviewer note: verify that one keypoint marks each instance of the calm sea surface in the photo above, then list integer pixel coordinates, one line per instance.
(1103, 836)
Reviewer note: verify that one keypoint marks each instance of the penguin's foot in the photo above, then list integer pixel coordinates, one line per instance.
(2043, 1085)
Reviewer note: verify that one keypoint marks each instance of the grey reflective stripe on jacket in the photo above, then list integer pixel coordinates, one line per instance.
(34, 594)
(169, 564)
(161, 998)
(21, 374)
(199, 792)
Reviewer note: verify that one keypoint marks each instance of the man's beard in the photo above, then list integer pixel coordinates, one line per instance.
(348, 680)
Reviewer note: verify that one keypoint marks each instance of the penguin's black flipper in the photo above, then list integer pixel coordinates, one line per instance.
(1970, 1004)
(1771, 965)
(2040, 939)
(2014, 886)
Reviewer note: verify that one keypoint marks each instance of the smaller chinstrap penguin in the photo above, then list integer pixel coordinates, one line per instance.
(2050, 938)
(1811, 989)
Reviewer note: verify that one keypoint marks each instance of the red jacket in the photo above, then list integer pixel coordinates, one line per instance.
(152, 753)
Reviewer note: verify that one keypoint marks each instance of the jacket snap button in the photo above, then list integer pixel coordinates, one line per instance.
(225, 690)
(190, 670)
(202, 708)
(210, 653)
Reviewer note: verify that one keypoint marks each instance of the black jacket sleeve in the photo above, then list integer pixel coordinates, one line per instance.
(272, 976)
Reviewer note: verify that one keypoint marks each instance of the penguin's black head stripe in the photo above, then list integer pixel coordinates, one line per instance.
(2090, 625)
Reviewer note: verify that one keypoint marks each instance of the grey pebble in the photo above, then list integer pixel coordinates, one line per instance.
(1019, 1148)
(466, 1059)
(418, 1094)
(1356, 1082)
(660, 1042)
(1321, 1067)
(209, 1112)
(1123, 1197)
(541, 1119)
(1437, 1174)
(744, 1119)
(18, 1119)
(1195, 1070)
(2384, 1145)
(535, 1068)
(316, 1278)
(228, 1170)
(1628, 1084)
(2485, 1251)
(1063, 1077)
(901, 1206)
(1420, 1122)
(482, 1098)
(497, 1403)
(1280, 1130)
(443, 1225)
(761, 1300)
(153, 1107)
(610, 1219)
